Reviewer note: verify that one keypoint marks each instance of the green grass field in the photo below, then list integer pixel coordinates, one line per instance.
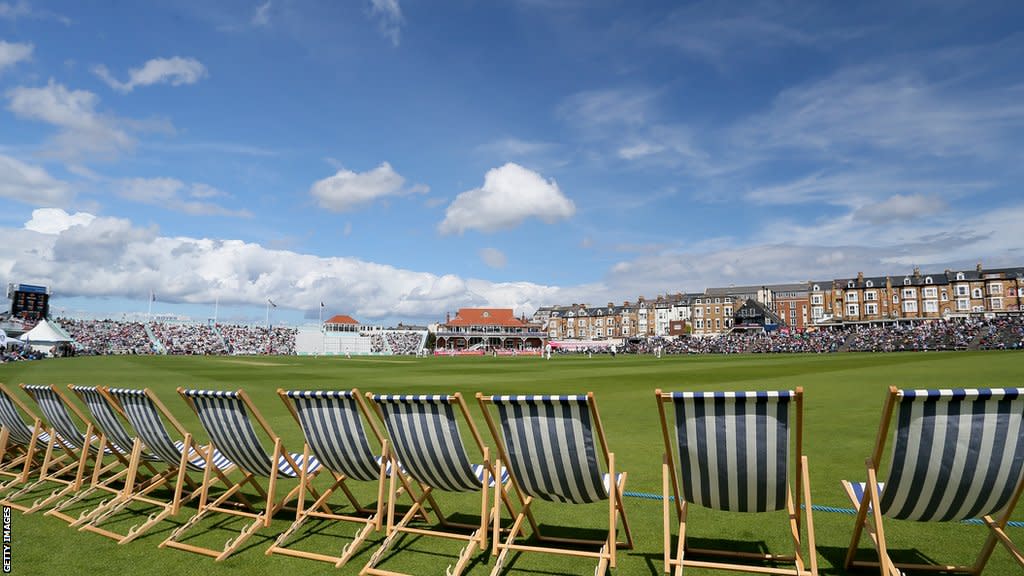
(843, 400)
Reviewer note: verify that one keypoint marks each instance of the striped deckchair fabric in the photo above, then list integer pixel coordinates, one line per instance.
(560, 463)
(425, 437)
(956, 455)
(332, 422)
(167, 461)
(113, 440)
(224, 416)
(733, 449)
(227, 418)
(19, 442)
(553, 447)
(147, 417)
(736, 452)
(65, 438)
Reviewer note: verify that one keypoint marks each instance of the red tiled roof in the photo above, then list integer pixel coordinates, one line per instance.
(341, 319)
(485, 317)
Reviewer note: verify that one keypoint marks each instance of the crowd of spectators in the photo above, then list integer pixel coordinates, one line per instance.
(250, 340)
(922, 336)
(189, 339)
(398, 342)
(818, 342)
(1003, 334)
(105, 337)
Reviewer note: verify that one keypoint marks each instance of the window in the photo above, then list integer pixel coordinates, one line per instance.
(572, 321)
(910, 306)
(895, 299)
(995, 289)
(700, 324)
(870, 284)
(870, 296)
(871, 309)
(959, 275)
(930, 292)
(851, 297)
(945, 296)
(928, 280)
(963, 304)
(906, 281)
(817, 312)
(718, 322)
(996, 303)
(816, 288)
(976, 293)
(850, 284)
(931, 306)
(816, 298)
(728, 310)
(962, 290)
(718, 310)
(909, 293)
(852, 310)
(698, 312)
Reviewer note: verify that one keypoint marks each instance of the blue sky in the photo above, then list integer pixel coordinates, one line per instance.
(399, 159)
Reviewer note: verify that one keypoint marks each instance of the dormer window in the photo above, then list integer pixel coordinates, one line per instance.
(816, 288)
(906, 281)
(870, 284)
(850, 284)
(928, 280)
(959, 275)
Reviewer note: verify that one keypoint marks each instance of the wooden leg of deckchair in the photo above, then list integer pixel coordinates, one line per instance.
(511, 538)
(681, 544)
(394, 530)
(140, 529)
(613, 486)
(812, 547)
(233, 544)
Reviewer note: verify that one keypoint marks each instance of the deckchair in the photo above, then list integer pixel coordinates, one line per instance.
(67, 440)
(113, 440)
(225, 416)
(733, 451)
(548, 444)
(332, 423)
(150, 448)
(956, 455)
(425, 438)
(19, 442)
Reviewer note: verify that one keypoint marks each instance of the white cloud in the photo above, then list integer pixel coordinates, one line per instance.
(22, 9)
(510, 195)
(175, 71)
(493, 257)
(110, 257)
(640, 150)
(389, 18)
(348, 190)
(515, 147)
(175, 195)
(608, 109)
(55, 220)
(11, 53)
(83, 130)
(31, 184)
(899, 207)
(262, 15)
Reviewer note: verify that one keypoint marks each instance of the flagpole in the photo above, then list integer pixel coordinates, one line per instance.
(149, 314)
(268, 313)
(216, 305)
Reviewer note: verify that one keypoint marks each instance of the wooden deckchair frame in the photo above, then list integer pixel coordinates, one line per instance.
(21, 464)
(606, 555)
(476, 540)
(876, 531)
(134, 491)
(103, 476)
(798, 506)
(52, 471)
(370, 518)
(260, 519)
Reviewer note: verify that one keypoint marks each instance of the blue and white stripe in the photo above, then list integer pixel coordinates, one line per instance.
(733, 449)
(549, 442)
(56, 414)
(226, 420)
(425, 435)
(10, 418)
(106, 420)
(145, 417)
(334, 431)
(957, 454)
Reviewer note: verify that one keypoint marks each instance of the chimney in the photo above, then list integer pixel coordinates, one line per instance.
(917, 272)
(979, 267)
(860, 277)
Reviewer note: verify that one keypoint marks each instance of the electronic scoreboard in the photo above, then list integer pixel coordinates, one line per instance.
(28, 301)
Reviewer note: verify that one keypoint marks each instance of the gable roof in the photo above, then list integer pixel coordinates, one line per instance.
(485, 317)
(342, 319)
